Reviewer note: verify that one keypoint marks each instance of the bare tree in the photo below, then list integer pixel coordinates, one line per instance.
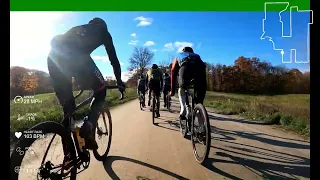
(140, 59)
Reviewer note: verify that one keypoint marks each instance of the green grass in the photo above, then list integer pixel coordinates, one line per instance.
(290, 111)
(50, 110)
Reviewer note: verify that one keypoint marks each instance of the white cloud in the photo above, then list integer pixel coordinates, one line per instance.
(133, 42)
(104, 59)
(168, 47)
(133, 35)
(149, 43)
(143, 21)
(178, 46)
(154, 50)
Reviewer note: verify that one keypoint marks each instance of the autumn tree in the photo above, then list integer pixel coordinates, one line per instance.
(140, 59)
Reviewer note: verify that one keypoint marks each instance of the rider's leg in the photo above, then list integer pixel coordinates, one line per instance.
(165, 92)
(62, 85)
(149, 93)
(157, 93)
(184, 79)
(144, 97)
(90, 77)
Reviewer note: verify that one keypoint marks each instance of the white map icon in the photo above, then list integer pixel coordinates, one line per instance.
(293, 52)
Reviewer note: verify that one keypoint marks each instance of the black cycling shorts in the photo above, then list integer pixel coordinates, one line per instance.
(155, 86)
(197, 72)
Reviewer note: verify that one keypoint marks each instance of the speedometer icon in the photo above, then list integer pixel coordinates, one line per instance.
(18, 99)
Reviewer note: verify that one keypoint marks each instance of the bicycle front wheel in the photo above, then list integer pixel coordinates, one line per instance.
(200, 133)
(23, 159)
(103, 132)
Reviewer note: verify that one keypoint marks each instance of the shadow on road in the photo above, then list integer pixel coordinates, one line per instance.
(266, 170)
(261, 137)
(265, 163)
(108, 167)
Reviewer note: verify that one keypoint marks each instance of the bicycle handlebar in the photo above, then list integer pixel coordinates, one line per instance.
(107, 87)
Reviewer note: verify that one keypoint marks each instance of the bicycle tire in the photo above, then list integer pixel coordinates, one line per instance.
(153, 108)
(204, 114)
(46, 128)
(183, 130)
(168, 103)
(108, 123)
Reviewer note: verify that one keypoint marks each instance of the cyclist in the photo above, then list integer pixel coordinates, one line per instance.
(70, 57)
(141, 88)
(154, 81)
(166, 87)
(189, 66)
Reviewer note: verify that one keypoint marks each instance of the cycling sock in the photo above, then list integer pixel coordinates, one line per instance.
(182, 100)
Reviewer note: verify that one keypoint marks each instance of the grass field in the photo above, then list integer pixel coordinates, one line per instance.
(290, 111)
(49, 110)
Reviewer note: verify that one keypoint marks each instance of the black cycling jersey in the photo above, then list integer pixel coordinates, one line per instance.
(86, 38)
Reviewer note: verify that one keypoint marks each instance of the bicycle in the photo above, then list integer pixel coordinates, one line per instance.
(196, 130)
(74, 144)
(153, 105)
(141, 100)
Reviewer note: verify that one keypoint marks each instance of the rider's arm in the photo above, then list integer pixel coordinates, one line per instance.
(108, 44)
(174, 72)
(161, 80)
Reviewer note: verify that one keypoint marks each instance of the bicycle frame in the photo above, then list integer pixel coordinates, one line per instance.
(69, 116)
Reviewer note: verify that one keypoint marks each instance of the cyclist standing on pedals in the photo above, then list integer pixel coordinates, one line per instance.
(141, 89)
(188, 67)
(166, 87)
(70, 57)
(154, 82)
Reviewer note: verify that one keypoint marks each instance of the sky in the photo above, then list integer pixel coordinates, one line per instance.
(218, 37)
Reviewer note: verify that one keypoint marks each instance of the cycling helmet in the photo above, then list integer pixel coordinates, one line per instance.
(154, 66)
(98, 21)
(187, 49)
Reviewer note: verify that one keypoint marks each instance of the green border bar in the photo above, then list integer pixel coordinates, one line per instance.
(150, 5)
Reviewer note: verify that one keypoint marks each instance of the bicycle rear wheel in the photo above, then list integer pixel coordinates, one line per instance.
(201, 132)
(153, 108)
(106, 132)
(25, 142)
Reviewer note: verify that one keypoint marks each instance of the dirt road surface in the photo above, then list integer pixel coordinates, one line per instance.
(240, 149)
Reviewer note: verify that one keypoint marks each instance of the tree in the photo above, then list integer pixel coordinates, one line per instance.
(140, 59)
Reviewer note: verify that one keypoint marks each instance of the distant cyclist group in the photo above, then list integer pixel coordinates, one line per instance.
(188, 69)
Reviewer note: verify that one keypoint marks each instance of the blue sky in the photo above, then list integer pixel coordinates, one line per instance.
(219, 37)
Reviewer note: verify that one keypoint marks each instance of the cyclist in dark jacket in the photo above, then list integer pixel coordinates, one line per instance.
(166, 87)
(141, 89)
(188, 67)
(154, 82)
(70, 57)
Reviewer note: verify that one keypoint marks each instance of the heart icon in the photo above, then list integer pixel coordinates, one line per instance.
(18, 134)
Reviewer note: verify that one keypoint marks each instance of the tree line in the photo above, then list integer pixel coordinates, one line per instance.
(246, 75)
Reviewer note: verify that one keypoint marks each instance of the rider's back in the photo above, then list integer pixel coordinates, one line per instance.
(84, 38)
(154, 74)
